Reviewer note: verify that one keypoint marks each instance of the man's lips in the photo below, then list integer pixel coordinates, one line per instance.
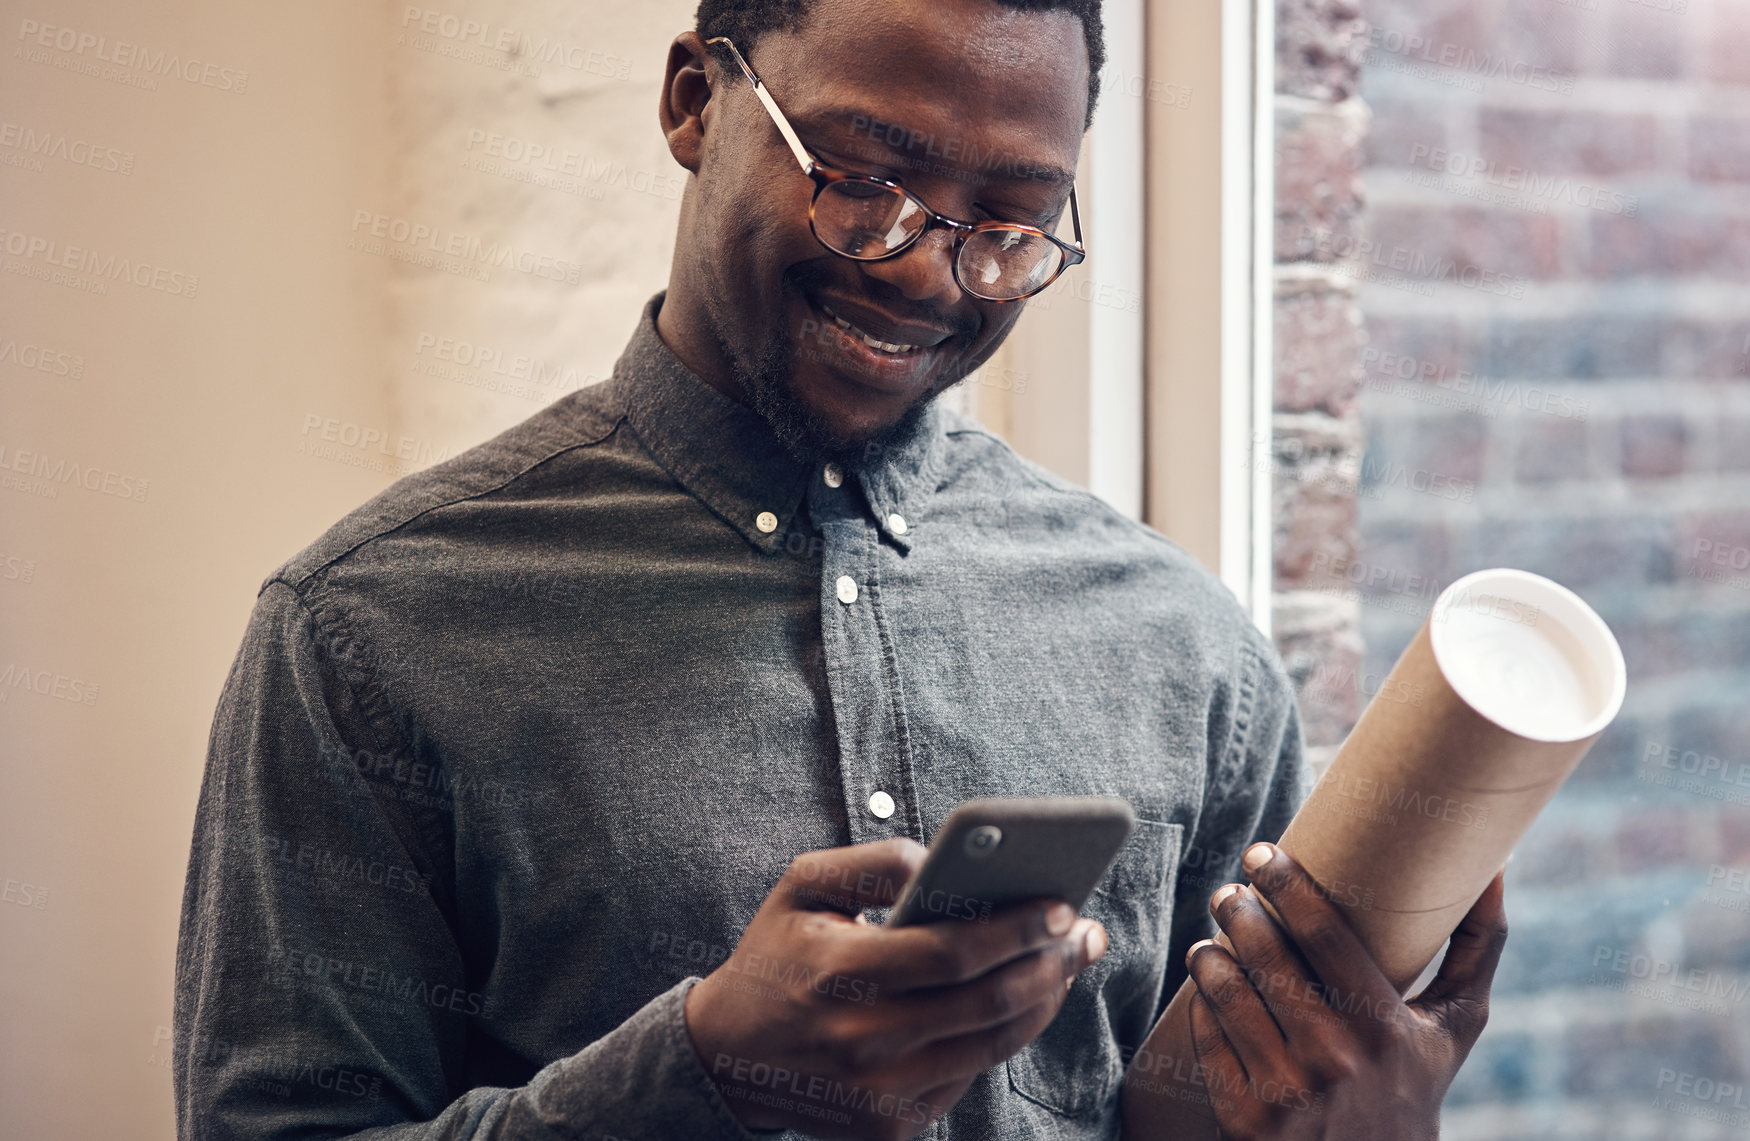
(879, 330)
(845, 350)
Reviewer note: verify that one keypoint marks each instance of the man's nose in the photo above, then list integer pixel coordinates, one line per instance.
(923, 271)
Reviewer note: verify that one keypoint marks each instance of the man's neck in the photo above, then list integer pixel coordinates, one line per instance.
(682, 329)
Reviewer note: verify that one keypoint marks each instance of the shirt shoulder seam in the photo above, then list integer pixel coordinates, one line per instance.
(1028, 470)
(327, 623)
(299, 583)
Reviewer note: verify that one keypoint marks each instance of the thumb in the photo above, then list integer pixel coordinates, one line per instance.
(1458, 998)
(849, 879)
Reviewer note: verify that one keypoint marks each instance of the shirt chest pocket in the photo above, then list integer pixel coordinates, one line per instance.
(1074, 1066)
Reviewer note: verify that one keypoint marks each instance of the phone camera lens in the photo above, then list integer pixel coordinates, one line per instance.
(982, 841)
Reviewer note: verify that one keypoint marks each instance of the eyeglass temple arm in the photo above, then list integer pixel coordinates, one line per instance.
(759, 89)
(1075, 218)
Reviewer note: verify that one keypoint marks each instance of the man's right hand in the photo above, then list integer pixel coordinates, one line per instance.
(827, 1023)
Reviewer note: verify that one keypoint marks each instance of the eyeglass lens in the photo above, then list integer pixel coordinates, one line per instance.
(868, 220)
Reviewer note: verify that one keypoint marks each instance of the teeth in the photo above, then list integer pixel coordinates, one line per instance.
(872, 342)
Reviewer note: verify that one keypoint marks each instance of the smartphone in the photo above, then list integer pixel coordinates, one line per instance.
(993, 851)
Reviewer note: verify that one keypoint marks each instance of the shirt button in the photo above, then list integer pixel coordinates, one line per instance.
(848, 592)
(881, 804)
(896, 523)
(766, 522)
(833, 475)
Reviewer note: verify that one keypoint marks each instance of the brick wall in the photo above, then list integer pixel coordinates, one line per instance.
(1555, 374)
(1321, 126)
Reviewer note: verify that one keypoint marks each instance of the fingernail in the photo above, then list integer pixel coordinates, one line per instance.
(1058, 918)
(1257, 856)
(1095, 943)
(1191, 953)
(1222, 893)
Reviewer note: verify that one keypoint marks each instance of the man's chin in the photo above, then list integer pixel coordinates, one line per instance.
(814, 435)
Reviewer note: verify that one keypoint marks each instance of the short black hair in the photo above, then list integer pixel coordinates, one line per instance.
(744, 20)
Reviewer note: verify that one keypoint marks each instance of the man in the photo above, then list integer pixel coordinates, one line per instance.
(675, 678)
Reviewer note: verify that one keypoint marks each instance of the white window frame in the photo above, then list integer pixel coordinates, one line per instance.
(1210, 351)
(1138, 379)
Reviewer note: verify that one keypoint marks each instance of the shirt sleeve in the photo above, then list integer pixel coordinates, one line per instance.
(320, 983)
(1258, 777)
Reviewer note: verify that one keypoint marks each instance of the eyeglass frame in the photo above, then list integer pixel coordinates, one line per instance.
(824, 176)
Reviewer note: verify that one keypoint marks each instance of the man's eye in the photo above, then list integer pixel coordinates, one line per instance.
(1013, 218)
(851, 165)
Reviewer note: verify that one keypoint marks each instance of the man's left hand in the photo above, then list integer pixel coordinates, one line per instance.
(1301, 1036)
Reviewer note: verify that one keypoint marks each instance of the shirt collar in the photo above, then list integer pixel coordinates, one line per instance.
(726, 455)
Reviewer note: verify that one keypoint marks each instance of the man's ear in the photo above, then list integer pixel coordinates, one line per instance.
(686, 94)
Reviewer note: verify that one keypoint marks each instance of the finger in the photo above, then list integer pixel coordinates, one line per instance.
(1245, 1024)
(1322, 934)
(1004, 994)
(968, 1055)
(954, 951)
(1224, 1074)
(1290, 992)
(1459, 995)
(847, 880)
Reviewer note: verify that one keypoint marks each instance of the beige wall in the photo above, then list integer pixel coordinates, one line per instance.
(194, 407)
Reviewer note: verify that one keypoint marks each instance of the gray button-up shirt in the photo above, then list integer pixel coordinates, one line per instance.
(509, 758)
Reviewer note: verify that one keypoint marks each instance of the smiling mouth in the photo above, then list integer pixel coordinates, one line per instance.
(873, 342)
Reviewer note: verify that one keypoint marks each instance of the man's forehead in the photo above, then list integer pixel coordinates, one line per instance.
(927, 80)
(863, 130)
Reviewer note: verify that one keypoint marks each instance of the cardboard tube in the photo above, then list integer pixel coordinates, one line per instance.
(1494, 703)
